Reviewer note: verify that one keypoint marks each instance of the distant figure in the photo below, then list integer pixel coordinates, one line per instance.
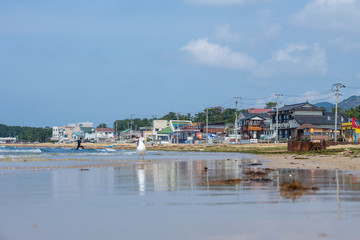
(79, 144)
(141, 149)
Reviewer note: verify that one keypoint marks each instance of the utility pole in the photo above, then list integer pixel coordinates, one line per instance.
(236, 118)
(177, 128)
(337, 87)
(153, 128)
(116, 130)
(277, 117)
(131, 116)
(207, 125)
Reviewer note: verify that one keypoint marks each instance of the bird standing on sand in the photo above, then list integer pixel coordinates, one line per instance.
(141, 149)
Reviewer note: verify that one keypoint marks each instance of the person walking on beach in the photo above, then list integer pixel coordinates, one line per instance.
(79, 144)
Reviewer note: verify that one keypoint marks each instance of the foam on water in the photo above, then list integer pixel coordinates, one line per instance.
(22, 150)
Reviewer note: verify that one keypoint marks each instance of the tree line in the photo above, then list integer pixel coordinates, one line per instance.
(26, 134)
(215, 114)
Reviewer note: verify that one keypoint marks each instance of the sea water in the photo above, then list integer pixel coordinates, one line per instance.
(101, 194)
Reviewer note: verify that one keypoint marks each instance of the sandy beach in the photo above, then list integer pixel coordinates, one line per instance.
(343, 157)
(312, 162)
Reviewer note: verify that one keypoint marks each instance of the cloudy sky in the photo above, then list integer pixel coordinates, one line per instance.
(70, 61)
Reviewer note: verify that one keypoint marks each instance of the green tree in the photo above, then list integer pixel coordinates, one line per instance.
(339, 109)
(135, 124)
(174, 116)
(217, 114)
(353, 112)
(26, 134)
(102, 125)
(270, 105)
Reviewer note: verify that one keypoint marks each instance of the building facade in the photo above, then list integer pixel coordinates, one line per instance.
(104, 135)
(252, 125)
(304, 120)
(69, 133)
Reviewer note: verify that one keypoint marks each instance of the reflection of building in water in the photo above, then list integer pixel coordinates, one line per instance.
(189, 175)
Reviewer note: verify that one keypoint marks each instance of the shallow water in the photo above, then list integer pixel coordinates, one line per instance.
(64, 194)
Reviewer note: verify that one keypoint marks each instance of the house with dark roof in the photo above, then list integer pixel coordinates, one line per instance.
(304, 120)
(252, 125)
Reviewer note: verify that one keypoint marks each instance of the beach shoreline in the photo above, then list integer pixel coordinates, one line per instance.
(342, 157)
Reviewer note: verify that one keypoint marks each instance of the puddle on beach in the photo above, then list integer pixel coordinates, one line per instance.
(173, 196)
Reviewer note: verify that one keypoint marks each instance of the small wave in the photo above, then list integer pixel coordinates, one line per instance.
(110, 150)
(30, 150)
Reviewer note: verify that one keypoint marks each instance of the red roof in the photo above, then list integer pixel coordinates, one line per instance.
(104, 129)
(258, 110)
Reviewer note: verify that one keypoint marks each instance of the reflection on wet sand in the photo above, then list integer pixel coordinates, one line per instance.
(176, 197)
(228, 175)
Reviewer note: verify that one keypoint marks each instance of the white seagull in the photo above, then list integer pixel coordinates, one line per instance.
(141, 149)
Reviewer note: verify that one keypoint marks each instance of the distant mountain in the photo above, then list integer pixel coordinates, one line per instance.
(346, 104)
(350, 102)
(327, 105)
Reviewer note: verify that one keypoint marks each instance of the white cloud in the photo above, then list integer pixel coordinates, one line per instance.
(330, 15)
(212, 54)
(295, 58)
(222, 32)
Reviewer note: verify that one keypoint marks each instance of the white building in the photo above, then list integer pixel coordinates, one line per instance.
(68, 133)
(7, 140)
(159, 125)
(104, 135)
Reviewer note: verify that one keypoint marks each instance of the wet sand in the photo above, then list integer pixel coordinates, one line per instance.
(346, 157)
(66, 194)
(312, 162)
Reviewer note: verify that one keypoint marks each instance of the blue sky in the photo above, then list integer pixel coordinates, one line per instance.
(72, 61)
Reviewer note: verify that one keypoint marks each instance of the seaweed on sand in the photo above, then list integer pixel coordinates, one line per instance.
(227, 181)
(295, 189)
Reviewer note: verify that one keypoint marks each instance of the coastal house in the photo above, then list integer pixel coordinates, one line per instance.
(104, 135)
(350, 131)
(87, 133)
(67, 133)
(159, 125)
(180, 135)
(165, 131)
(7, 139)
(258, 110)
(161, 131)
(252, 125)
(304, 120)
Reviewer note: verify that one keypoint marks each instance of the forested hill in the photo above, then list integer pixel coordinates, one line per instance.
(26, 134)
(351, 102)
(346, 104)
